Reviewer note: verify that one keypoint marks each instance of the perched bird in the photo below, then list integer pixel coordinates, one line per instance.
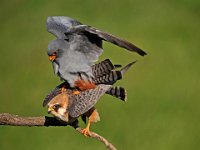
(67, 106)
(77, 48)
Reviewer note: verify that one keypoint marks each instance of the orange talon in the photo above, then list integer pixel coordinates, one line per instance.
(86, 132)
(93, 117)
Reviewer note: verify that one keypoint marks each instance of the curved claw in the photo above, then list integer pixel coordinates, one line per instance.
(86, 132)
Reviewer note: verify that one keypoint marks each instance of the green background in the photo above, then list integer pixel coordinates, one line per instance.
(162, 112)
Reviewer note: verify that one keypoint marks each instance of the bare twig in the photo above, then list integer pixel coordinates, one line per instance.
(99, 138)
(15, 120)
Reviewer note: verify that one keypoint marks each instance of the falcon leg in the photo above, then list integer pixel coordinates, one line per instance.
(84, 85)
(86, 131)
(93, 117)
(63, 89)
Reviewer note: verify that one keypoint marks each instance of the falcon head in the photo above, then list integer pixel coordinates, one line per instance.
(55, 48)
(58, 25)
(52, 51)
(55, 51)
(58, 107)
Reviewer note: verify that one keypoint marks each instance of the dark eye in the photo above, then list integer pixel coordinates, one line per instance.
(56, 107)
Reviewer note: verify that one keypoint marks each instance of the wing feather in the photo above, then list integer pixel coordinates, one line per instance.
(84, 101)
(107, 37)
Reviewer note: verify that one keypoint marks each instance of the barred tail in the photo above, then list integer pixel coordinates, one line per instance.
(109, 78)
(103, 68)
(118, 92)
(112, 77)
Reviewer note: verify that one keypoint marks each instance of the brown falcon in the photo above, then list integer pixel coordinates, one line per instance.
(77, 48)
(68, 106)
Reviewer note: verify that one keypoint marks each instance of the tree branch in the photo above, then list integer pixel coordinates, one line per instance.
(15, 120)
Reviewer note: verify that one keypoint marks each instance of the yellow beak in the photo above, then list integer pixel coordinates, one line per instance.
(52, 57)
(50, 109)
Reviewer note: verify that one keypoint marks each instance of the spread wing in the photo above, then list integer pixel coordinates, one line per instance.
(84, 101)
(88, 30)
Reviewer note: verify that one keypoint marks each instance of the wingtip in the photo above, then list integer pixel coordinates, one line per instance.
(142, 53)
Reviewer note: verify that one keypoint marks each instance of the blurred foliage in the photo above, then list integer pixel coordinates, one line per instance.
(162, 111)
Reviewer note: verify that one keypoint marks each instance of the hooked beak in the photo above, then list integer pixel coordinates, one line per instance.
(50, 109)
(52, 57)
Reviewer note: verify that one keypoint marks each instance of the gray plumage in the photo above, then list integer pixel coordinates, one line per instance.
(58, 25)
(78, 47)
(72, 61)
(102, 68)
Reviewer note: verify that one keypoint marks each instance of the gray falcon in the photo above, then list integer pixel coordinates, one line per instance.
(77, 48)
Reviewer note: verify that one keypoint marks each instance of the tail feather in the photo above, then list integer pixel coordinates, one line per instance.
(118, 92)
(102, 68)
(117, 66)
(112, 77)
(123, 70)
(109, 78)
